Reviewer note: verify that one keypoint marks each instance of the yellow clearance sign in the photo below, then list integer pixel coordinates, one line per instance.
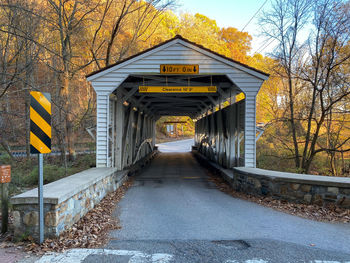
(177, 89)
(40, 122)
(179, 69)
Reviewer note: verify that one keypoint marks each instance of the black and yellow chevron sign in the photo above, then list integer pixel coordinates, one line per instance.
(40, 122)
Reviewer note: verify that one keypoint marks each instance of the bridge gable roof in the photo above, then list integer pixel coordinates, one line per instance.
(177, 50)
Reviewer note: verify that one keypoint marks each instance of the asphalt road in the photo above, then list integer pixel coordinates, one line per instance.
(174, 214)
(173, 200)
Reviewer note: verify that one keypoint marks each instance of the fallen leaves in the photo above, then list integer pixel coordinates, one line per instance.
(91, 231)
(329, 213)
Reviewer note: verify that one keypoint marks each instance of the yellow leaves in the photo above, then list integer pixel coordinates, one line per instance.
(269, 96)
(202, 30)
(210, 23)
(238, 43)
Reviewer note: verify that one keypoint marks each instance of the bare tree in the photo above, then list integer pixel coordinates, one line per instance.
(17, 57)
(316, 74)
(66, 21)
(11, 47)
(58, 40)
(126, 22)
(284, 23)
(324, 74)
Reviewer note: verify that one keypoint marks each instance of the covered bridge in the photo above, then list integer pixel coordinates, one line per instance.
(176, 77)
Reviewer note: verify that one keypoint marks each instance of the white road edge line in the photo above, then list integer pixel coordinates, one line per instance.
(78, 255)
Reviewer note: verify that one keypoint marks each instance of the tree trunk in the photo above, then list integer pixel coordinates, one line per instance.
(342, 162)
(27, 86)
(68, 117)
(292, 122)
(27, 121)
(331, 162)
(60, 125)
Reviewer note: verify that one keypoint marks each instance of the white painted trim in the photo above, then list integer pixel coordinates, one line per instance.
(106, 88)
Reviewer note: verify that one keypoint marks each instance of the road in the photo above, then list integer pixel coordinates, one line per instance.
(174, 214)
(176, 146)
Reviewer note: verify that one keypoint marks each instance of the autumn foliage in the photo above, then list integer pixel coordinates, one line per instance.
(50, 45)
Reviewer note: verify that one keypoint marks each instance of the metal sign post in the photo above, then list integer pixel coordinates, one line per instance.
(41, 198)
(40, 142)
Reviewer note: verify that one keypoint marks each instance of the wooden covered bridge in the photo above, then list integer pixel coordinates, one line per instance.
(176, 77)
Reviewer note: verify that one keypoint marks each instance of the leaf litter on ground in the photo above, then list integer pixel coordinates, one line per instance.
(91, 231)
(328, 213)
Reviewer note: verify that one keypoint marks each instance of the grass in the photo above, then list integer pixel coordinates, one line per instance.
(24, 171)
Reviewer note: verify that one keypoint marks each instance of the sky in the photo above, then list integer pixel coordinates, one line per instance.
(232, 13)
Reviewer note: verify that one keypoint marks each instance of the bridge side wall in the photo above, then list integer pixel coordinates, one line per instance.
(220, 135)
(296, 188)
(66, 201)
(131, 134)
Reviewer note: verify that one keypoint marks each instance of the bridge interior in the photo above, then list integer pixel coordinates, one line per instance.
(219, 119)
(175, 104)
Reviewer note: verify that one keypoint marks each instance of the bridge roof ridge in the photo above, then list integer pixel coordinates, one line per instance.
(176, 39)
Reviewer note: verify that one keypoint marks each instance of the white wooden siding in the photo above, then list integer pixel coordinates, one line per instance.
(250, 86)
(250, 132)
(179, 55)
(102, 129)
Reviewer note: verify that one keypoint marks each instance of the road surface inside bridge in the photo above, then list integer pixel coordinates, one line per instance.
(173, 213)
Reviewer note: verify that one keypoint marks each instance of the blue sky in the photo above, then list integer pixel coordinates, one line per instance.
(230, 13)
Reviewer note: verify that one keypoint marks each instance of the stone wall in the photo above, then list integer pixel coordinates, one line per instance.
(68, 199)
(298, 188)
(61, 214)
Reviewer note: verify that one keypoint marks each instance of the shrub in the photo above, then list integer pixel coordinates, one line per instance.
(51, 173)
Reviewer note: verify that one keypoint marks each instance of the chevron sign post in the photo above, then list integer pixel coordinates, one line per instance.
(40, 142)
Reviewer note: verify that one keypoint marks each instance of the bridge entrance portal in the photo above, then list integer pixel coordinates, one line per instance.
(176, 78)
